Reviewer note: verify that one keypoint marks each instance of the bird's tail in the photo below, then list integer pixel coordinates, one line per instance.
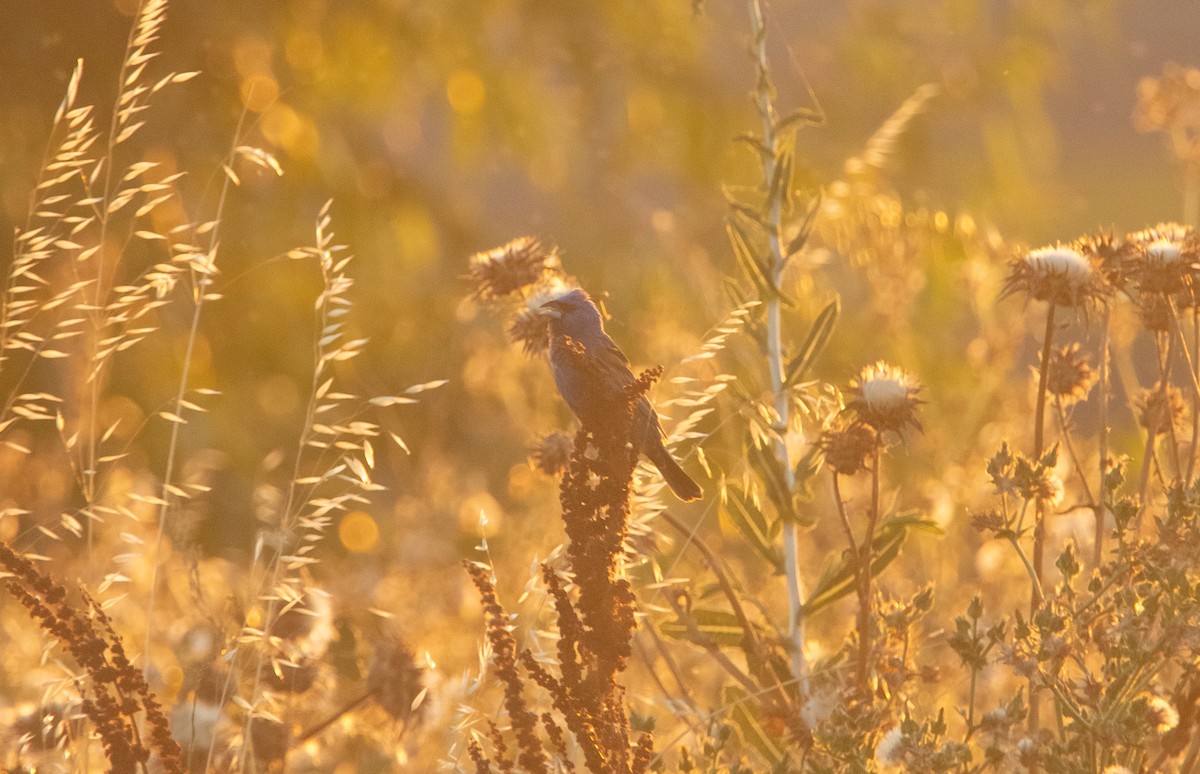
(680, 482)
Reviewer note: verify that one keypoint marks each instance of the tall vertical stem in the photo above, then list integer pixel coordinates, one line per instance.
(1102, 492)
(1039, 527)
(765, 102)
(865, 558)
(1039, 446)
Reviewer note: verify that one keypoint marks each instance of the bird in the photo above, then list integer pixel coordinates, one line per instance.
(592, 392)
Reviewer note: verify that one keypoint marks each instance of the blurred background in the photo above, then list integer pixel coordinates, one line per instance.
(444, 127)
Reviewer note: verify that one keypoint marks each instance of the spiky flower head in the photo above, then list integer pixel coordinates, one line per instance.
(1161, 714)
(1060, 275)
(1160, 409)
(889, 752)
(1108, 251)
(885, 397)
(552, 453)
(529, 327)
(1164, 258)
(394, 680)
(510, 268)
(848, 450)
(1070, 376)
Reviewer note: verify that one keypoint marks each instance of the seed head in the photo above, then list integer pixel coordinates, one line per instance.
(510, 268)
(1163, 258)
(1161, 714)
(394, 679)
(885, 397)
(529, 327)
(1070, 375)
(848, 450)
(1061, 275)
(1110, 252)
(1159, 410)
(552, 453)
(889, 752)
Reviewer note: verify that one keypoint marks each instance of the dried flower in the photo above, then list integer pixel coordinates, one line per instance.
(529, 327)
(1070, 376)
(1171, 104)
(889, 752)
(1061, 275)
(552, 453)
(988, 521)
(1110, 252)
(885, 397)
(848, 450)
(1163, 258)
(1160, 409)
(512, 267)
(1161, 714)
(394, 679)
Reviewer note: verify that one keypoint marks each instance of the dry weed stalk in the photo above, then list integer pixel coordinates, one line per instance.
(114, 691)
(595, 623)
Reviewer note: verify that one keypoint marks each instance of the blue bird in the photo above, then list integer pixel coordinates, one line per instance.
(593, 390)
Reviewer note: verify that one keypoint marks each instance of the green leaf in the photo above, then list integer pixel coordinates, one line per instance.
(745, 513)
(770, 471)
(746, 715)
(801, 238)
(838, 578)
(779, 187)
(818, 337)
(806, 469)
(715, 626)
(744, 253)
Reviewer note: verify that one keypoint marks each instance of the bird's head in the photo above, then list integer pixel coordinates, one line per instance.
(573, 314)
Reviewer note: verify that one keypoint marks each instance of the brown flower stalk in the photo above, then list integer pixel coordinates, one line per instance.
(595, 619)
(116, 691)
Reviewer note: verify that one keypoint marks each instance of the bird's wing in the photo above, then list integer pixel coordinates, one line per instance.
(610, 360)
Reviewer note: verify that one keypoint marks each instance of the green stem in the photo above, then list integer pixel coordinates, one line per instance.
(765, 102)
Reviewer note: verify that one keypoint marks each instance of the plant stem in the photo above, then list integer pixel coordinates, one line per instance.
(1102, 493)
(1039, 527)
(1039, 429)
(864, 580)
(765, 102)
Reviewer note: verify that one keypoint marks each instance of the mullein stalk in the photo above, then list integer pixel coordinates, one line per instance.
(765, 102)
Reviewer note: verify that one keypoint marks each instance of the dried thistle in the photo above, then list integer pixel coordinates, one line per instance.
(1070, 375)
(1060, 274)
(510, 268)
(1159, 409)
(849, 450)
(885, 397)
(552, 453)
(529, 327)
(394, 679)
(1111, 253)
(1163, 259)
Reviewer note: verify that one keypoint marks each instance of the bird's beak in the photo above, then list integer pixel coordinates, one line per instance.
(548, 310)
